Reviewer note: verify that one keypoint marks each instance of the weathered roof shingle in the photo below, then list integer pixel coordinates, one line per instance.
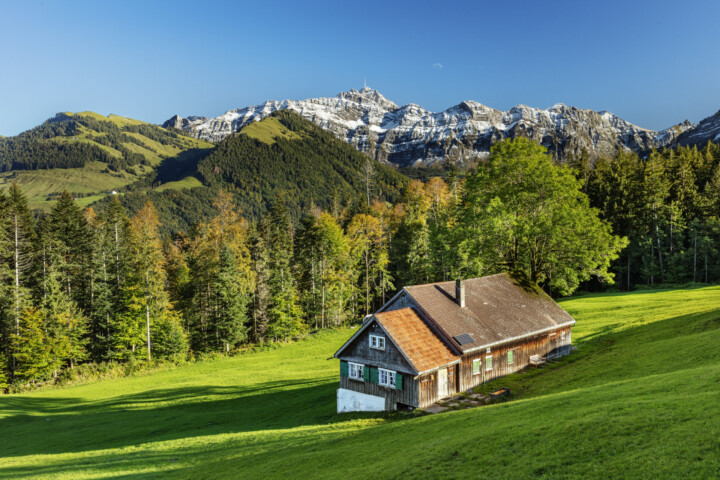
(498, 308)
(420, 345)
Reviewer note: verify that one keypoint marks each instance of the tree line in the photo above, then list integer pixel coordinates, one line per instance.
(668, 206)
(86, 286)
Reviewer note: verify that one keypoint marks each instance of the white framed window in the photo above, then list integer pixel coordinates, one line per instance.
(562, 336)
(386, 377)
(476, 366)
(356, 371)
(511, 357)
(488, 362)
(377, 342)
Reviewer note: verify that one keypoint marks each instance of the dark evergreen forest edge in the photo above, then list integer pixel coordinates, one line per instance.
(294, 231)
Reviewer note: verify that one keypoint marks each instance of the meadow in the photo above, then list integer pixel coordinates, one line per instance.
(639, 398)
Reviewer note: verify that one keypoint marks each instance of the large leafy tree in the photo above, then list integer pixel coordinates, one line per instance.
(523, 213)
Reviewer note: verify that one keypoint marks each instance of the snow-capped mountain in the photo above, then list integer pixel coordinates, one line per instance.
(412, 135)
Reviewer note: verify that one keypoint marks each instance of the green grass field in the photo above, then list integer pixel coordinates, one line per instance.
(186, 182)
(640, 398)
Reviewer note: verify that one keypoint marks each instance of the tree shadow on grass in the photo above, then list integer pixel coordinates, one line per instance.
(62, 425)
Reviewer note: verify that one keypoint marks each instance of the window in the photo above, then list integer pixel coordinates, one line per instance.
(387, 377)
(476, 366)
(488, 362)
(562, 336)
(355, 370)
(511, 357)
(377, 342)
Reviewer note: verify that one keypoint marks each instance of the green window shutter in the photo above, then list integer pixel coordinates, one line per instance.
(373, 375)
(398, 381)
(511, 357)
(343, 369)
(476, 366)
(366, 373)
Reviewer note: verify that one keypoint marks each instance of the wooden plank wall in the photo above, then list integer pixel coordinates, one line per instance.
(359, 351)
(428, 386)
(550, 345)
(408, 394)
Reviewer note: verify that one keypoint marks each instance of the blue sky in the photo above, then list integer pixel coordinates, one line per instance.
(652, 63)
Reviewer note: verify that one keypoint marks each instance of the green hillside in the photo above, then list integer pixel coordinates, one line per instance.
(639, 398)
(283, 155)
(87, 154)
(289, 156)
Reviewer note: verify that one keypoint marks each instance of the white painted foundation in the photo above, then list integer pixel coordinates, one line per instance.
(349, 401)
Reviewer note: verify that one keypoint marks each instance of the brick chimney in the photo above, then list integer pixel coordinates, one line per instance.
(460, 292)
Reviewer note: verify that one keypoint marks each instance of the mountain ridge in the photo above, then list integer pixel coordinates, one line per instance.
(411, 135)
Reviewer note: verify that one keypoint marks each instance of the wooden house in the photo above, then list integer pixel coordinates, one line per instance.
(431, 341)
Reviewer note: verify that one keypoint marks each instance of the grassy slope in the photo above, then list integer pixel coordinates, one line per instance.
(269, 131)
(95, 177)
(639, 399)
(289, 157)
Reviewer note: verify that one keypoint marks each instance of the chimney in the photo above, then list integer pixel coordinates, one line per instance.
(460, 292)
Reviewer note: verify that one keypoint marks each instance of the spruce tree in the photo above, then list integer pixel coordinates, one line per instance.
(31, 349)
(232, 301)
(19, 235)
(68, 228)
(284, 313)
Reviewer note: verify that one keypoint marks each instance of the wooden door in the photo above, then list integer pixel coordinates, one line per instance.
(442, 383)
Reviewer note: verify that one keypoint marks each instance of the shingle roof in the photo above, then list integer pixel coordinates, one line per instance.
(420, 345)
(497, 308)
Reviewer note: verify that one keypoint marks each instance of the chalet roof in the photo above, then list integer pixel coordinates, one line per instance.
(415, 339)
(497, 309)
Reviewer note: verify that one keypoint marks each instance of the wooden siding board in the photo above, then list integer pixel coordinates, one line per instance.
(542, 345)
(359, 351)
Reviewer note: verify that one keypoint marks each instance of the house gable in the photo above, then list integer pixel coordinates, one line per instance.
(358, 350)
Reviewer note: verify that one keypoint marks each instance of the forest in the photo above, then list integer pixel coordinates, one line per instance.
(82, 290)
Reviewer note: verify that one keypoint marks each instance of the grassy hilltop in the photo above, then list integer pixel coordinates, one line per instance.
(89, 155)
(640, 398)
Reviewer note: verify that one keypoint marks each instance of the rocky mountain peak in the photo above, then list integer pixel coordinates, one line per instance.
(462, 134)
(368, 95)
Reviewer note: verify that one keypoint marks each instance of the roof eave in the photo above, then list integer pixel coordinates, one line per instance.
(520, 337)
(454, 362)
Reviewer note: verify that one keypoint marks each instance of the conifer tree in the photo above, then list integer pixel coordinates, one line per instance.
(232, 301)
(19, 235)
(261, 296)
(147, 262)
(284, 313)
(68, 228)
(64, 324)
(101, 286)
(216, 277)
(31, 349)
(169, 337)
